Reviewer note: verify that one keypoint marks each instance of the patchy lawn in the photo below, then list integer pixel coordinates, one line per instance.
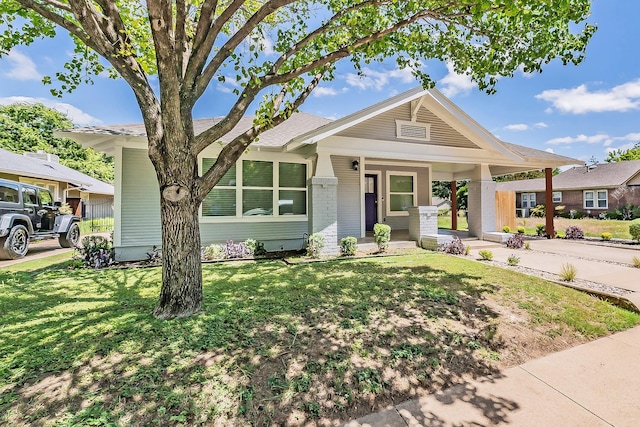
(591, 227)
(275, 344)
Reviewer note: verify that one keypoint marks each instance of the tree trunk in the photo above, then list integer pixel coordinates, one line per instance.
(181, 293)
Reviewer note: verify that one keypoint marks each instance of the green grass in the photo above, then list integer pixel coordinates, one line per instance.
(591, 227)
(96, 225)
(309, 341)
(444, 221)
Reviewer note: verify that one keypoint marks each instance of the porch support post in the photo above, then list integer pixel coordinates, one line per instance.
(423, 221)
(482, 202)
(454, 205)
(548, 195)
(323, 204)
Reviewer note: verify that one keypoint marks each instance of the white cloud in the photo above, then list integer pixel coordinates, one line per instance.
(77, 116)
(327, 91)
(517, 127)
(377, 80)
(600, 138)
(629, 141)
(454, 83)
(22, 67)
(549, 150)
(540, 125)
(581, 100)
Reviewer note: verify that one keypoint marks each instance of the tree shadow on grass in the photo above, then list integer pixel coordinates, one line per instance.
(316, 342)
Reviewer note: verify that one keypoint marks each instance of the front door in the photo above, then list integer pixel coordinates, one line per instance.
(370, 201)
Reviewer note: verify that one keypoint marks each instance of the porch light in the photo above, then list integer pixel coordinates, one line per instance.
(355, 165)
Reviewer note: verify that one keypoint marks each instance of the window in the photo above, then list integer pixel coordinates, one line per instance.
(9, 193)
(557, 197)
(528, 200)
(596, 199)
(401, 192)
(45, 198)
(256, 189)
(29, 196)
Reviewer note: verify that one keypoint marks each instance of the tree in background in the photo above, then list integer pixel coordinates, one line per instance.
(539, 173)
(29, 127)
(624, 155)
(190, 44)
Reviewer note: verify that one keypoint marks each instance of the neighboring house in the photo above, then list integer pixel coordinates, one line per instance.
(311, 174)
(87, 196)
(591, 190)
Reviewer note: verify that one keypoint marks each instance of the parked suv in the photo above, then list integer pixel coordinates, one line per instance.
(29, 213)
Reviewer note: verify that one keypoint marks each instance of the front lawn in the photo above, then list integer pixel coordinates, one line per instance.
(592, 227)
(275, 344)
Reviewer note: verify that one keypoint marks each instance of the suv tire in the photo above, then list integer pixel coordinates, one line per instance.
(16, 244)
(71, 238)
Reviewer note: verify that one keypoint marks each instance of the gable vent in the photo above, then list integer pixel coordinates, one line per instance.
(413, 130)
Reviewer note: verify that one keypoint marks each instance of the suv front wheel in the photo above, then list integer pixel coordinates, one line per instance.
(16, 244)
(71, 238)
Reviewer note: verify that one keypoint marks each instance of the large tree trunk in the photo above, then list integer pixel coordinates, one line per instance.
(181, 293)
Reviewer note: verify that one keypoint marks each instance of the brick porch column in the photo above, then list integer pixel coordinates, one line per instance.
(323, 211)
(482, 202)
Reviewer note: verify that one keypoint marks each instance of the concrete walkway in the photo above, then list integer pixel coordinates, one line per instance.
(594, 384)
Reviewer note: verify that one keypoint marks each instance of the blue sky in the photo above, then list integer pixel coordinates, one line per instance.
(579, 111)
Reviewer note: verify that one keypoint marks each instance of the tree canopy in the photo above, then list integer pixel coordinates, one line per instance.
(277, 52)
(29, 127)
(624, 155)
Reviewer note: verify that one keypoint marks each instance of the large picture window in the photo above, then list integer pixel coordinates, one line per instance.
(401, 192)
(596, 199)
(258, 188)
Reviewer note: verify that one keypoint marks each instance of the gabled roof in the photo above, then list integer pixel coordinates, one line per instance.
(17, 164)
(605, 175)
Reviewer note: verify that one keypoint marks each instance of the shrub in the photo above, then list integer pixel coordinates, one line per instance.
(382, 236)
(521, 230)
(467, 250)
(575, 214)
(559, 210)
(255, 247)
(65, 209)
(541, 229)
(568, 272)
(527, 246)
(574, 232)
(96, 252)
(513, 260)
(348, 246)
(454, 247)
(213, 252)
(486, 255)
(506, 229)
(515, 242)
(560, 235)
(538, 211)
(315, 245)
(605, 236)
(634, 230)
(635, 262)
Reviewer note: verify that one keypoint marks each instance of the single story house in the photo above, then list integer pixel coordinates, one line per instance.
(87, 196)
(591, 190)
(311, 174)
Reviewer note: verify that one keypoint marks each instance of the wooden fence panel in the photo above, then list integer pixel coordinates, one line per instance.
(505, 209)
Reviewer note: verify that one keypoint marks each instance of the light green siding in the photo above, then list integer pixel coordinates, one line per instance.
(349, 196)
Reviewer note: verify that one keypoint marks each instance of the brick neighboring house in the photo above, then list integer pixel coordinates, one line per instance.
(591, 190)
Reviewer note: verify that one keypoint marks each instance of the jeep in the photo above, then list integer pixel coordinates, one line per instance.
(29, 213)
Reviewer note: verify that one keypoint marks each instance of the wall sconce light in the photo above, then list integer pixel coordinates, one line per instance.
(355, 164)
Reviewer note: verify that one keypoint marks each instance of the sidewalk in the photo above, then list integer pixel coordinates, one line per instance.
(594, 384)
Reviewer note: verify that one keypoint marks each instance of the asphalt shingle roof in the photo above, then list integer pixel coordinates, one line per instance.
(605, 175)
(298, 124)
(30, 167)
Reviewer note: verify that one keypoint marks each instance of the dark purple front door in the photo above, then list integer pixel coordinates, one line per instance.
(370, 201)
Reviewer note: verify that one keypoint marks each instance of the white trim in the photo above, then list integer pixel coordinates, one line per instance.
(383, 162)
(595, 199)
(117, 197)
(522, 199)
(414, 194)
(553, 197)
(363, 217)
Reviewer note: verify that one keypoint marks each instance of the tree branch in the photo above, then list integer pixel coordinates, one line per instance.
(233, 150)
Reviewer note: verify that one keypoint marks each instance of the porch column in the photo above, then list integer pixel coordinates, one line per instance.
(548, 195)
(323, 204)
(482, 202)
(423, 220)
(454, 205)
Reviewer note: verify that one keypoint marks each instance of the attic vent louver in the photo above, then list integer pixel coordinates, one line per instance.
(413, 130)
